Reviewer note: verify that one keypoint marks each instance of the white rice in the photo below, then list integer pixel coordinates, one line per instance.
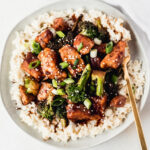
(113, 117)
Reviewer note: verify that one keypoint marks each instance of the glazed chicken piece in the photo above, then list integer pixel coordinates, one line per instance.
(25, 98)
(118, 101)
(101, 48)
(48, 58)
(87, 43)
(60, 24)
(115, 58)
(80, 112)
(44, 37)
(45, 91)
(70, 55)
(34, 72)
(99, 104)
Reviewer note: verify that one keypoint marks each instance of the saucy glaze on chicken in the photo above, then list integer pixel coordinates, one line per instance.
(71, 76)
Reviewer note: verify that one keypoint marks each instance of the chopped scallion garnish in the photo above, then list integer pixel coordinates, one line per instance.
(87, 103)
(36, 48)
(109, 47)
(75, 63)
(64, 65)
(69, 81)
(61, 92)
(34, 64)
(60, 34)
(54, 83)
(80, 46)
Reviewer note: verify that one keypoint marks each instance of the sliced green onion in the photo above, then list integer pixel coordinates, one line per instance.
(34, 64)
(64, 65)
(62, 83)
(80, 46)
(58, 101)
(93, 53)
(99, 90)
(114, 79)
(75, 63)
(54, 83)
(87, 103)
(61, 92)
(109, 47)
(60, 34)
(36, 48)
(69, 81)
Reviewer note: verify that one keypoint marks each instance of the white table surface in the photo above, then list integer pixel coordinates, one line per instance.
(11, 136)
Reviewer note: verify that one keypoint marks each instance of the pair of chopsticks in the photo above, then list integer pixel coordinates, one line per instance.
(133, 104)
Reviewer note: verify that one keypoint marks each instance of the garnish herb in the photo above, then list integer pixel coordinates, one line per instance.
(54, 83)
(36, 48)
(75, 63)
(109, 47)
(60, 34)
(34, 64)
(87, 103)
(80, 46)
(69, 81)
(61, 92)
(64, 65)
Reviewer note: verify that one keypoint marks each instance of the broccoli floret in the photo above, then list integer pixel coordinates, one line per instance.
(99, 77)
(84, 77)
(46, 111)
(88, 29)
(103, 34)
(75, 94)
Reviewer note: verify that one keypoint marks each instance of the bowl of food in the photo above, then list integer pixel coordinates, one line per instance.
(62, 78)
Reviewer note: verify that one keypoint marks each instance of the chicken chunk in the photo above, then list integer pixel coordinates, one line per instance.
(101, 48)
(87, 43)
(45, 91)
(48, 58)
(34, 72)
(80, 112)
(115, 58)
(70, 55)
(99, 104)
(118, 101)
(25, 98)
(60, 24)
(44, 37)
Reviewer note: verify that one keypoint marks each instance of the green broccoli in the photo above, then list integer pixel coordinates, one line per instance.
(84, 77)
(46, 111)
(75, 94)
(102, 32)
(99, 77)
(88, 29)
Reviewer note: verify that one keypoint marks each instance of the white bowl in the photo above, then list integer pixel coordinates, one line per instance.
(137, 51)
